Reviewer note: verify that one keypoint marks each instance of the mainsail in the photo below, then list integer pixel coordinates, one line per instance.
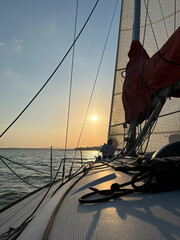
(159, 20)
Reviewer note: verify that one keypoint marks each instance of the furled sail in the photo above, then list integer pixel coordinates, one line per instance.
(159, 20)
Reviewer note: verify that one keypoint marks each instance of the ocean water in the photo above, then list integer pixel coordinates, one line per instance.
(13, 188)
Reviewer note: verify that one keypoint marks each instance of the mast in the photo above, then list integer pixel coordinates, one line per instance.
(137, 13)
(136, 36)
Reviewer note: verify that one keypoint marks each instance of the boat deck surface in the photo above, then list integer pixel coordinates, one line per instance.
(135, 216)
(143, 216)
(13, 216)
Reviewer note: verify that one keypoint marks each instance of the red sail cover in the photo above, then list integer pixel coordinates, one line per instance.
(136, 95)
(144, 73)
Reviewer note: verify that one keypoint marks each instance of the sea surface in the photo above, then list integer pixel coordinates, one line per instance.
(12, 173)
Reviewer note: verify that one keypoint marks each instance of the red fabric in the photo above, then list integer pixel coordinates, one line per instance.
(157, 73)
(133, 86)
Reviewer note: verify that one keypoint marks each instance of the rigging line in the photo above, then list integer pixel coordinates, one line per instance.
(70, 90)
(151, 27)
(71, 79)
(96, 76)
(151, 129)
(146, 138)
(118, 124)
(120, 69)
(17, 174)
(148, 134)
(174, 15)
(147, 117)
(53, 71)
(145, 25)
(152, 22)
(163, 19)
(24, 165)
(167, 114)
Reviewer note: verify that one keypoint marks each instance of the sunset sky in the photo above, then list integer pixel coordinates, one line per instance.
(34, 37)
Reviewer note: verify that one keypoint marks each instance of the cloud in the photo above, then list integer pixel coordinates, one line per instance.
(18, 44)
(1, 44)
(18, 47)
(14, 76)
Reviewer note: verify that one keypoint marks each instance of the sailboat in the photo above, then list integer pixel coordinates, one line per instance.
(99, 201)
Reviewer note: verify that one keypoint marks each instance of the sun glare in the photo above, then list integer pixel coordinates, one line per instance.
(94, 118)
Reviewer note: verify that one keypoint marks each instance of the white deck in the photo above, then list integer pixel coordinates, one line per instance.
(136, 216)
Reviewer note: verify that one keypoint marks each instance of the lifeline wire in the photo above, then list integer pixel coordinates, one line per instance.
(17, 174)
(36, 170)
(52, 73)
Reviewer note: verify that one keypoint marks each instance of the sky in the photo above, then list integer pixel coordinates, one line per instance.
(34, 37)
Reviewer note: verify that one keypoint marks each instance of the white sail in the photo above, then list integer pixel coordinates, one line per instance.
(159, 19)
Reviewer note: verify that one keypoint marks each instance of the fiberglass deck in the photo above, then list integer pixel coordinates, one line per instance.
(132, 217)
(135, 216)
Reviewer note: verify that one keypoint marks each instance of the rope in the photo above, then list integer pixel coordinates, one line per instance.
(53, 71)
(165, 172)
(167, 114)
(148, 133)
(152, 127)
(151, 26)
(163, 19)
(70, 90)
(147, 136)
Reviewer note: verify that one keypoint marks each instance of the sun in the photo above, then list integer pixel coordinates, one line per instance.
(94, 118)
